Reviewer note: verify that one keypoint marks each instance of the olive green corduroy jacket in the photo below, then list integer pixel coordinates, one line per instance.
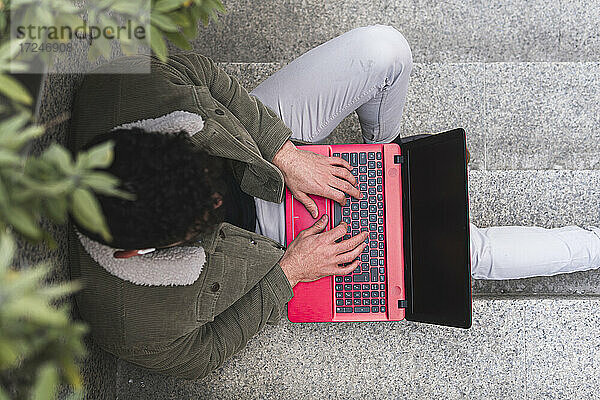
(188, 330)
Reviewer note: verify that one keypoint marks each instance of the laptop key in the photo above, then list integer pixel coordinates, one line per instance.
(378, 155)
(371, 155)
(374, 273)
(382, 309)
(361, 309)
(353, 159)
(348, 295)
(338, 287)
(348, 302)
(339, 302)
(360, 278)
(362, 158)
(345, 156)
(375, 309)
(356, 294)
(339, 295)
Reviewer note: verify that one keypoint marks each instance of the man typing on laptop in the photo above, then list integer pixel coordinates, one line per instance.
(198, 264)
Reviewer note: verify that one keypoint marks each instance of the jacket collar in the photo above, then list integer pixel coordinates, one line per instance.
(179, 265)
(174, 266)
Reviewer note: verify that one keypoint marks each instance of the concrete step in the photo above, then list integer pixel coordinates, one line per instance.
(517, 115)
(516, 349)
(448, 31)
(549, 176)
(549, 199)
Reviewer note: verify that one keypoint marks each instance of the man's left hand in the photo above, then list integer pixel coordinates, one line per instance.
(308, 173)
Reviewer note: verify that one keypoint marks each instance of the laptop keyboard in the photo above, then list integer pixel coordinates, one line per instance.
(364, 290)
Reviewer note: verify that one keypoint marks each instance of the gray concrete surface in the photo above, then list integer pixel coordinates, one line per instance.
(516, 349)
(439, 31)
(522, 79)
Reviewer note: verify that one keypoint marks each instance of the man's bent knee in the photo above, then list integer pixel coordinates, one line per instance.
(386, 48)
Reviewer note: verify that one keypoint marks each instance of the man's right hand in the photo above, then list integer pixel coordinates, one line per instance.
(314, 254)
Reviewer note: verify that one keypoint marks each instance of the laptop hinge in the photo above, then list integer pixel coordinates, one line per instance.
(398, 159)
(402, 304)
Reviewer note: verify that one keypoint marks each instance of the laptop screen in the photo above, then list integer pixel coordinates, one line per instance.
(437, 254)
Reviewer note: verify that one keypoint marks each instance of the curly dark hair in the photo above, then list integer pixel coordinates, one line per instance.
(174, 184)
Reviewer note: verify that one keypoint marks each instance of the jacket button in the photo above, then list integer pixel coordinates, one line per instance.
(252, 241)
(218, 111)
(215, 287)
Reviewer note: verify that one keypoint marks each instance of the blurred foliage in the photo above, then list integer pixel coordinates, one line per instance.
(175, 20)
(38, 340)
(39, 344)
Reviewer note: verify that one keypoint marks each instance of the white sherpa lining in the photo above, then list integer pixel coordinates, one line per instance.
(165, 267)
(178, 265)
(169, 123)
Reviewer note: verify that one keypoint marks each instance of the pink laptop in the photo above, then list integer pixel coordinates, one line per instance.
(417, 262)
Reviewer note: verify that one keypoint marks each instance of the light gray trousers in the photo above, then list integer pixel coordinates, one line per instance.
(367, 70)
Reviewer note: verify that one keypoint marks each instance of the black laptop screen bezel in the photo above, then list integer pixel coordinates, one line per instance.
(462, 317)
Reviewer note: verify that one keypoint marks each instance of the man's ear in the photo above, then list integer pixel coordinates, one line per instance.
(131, 253)
(218, 200)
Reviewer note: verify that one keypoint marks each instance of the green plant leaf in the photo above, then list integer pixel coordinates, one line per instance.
(10, 49)
(15, 142)
(7, 250)
(126, 7)
(4, 198)
(164, 6)
(11, 125)
(191, 30)
(163, 22)
(47, 383)
(60, 157)
(23, 222)
(56, 208)
(158, 44)
(100, 156)
(180, 17)
(9, 158)
(59, 290)
(178, 40)
(9, 355)
(88, 213)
